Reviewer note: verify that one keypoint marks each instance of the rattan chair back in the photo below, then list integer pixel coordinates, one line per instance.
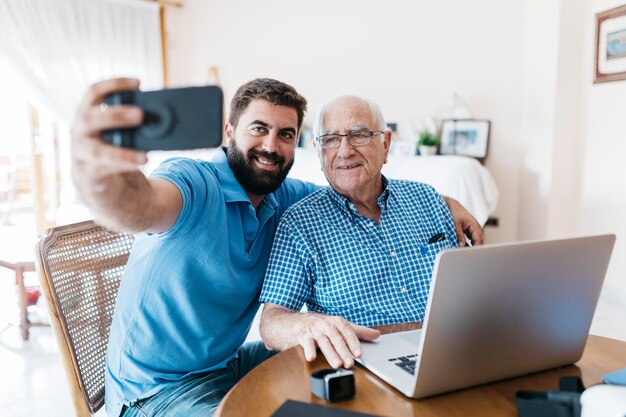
(80, 267)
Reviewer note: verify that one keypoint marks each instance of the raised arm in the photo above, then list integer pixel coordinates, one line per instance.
(107, 177)
(338, 339)
(465, 223)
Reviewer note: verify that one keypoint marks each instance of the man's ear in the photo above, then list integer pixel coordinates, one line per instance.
(318, 148)
(228, 130)
(386, 143)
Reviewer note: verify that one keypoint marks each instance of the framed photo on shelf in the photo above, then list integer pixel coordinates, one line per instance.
(610, 63)
(466, 137)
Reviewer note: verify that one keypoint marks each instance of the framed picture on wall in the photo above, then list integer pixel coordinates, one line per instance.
(611, 45)
(465, 137)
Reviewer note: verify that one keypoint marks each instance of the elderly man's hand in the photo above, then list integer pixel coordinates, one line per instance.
(464, 223)
(338, 339)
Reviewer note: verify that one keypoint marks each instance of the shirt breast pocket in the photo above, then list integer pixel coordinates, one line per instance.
(433, 248)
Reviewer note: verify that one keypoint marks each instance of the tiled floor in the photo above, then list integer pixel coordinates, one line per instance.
(32, 382)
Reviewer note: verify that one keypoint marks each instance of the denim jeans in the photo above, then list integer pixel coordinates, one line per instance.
(199, 395)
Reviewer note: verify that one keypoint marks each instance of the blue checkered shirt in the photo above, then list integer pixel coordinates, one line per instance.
(341, 263)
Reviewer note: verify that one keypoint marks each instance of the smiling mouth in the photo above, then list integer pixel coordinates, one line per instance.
(349, 167)
(265, 162)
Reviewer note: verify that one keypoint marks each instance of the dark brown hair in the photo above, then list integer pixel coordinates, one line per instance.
(274, 91)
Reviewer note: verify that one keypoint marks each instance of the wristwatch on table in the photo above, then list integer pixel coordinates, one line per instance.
(333, 384)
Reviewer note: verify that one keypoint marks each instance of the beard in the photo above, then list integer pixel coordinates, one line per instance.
(251, 178)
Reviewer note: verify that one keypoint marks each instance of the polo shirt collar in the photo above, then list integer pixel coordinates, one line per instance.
(231, 188)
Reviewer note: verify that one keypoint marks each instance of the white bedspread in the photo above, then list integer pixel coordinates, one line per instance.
(459, 177)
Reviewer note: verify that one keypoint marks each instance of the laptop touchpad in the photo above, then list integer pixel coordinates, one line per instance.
(413, 337)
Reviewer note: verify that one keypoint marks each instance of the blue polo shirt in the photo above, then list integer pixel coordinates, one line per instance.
(189, 295)
(341, 263)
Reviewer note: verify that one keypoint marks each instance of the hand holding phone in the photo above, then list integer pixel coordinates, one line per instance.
(174, 119)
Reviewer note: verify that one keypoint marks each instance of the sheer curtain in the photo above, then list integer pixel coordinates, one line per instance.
(62, 46)
(59, 47)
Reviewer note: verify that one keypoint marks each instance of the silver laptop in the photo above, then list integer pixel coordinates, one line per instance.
(495, 312)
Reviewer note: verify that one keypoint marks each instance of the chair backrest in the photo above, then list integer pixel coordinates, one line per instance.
(80, 267)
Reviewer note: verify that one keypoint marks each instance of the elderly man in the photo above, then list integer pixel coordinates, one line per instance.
(358, 254)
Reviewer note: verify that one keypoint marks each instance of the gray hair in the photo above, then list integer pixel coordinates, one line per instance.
(375, 111)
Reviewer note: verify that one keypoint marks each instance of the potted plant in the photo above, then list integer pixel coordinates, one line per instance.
(428, 143)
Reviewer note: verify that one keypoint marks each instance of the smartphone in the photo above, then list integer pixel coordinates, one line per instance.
(174, 119)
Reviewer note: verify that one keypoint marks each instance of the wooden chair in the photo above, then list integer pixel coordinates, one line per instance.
(80, 267)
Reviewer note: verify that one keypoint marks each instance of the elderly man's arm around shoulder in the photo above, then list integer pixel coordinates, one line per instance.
(338, 339)
(108, 177)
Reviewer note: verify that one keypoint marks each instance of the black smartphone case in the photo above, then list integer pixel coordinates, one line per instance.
(174, 119)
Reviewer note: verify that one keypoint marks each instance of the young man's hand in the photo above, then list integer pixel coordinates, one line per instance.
(464, 223)
(107, 177)
(93, 161)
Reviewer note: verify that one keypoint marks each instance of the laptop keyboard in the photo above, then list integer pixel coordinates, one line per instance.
(405, 362)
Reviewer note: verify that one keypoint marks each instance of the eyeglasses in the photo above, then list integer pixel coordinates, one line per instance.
(358, 138)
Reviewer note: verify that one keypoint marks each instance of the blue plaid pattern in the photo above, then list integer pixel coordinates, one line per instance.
(341, 263)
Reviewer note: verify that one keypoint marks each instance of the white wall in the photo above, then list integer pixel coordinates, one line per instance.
(539, 101)
(551, 133)
(572, 179)
(409, 56)
(602, 204)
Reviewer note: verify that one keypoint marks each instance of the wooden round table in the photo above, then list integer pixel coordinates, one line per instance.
(286, 376)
